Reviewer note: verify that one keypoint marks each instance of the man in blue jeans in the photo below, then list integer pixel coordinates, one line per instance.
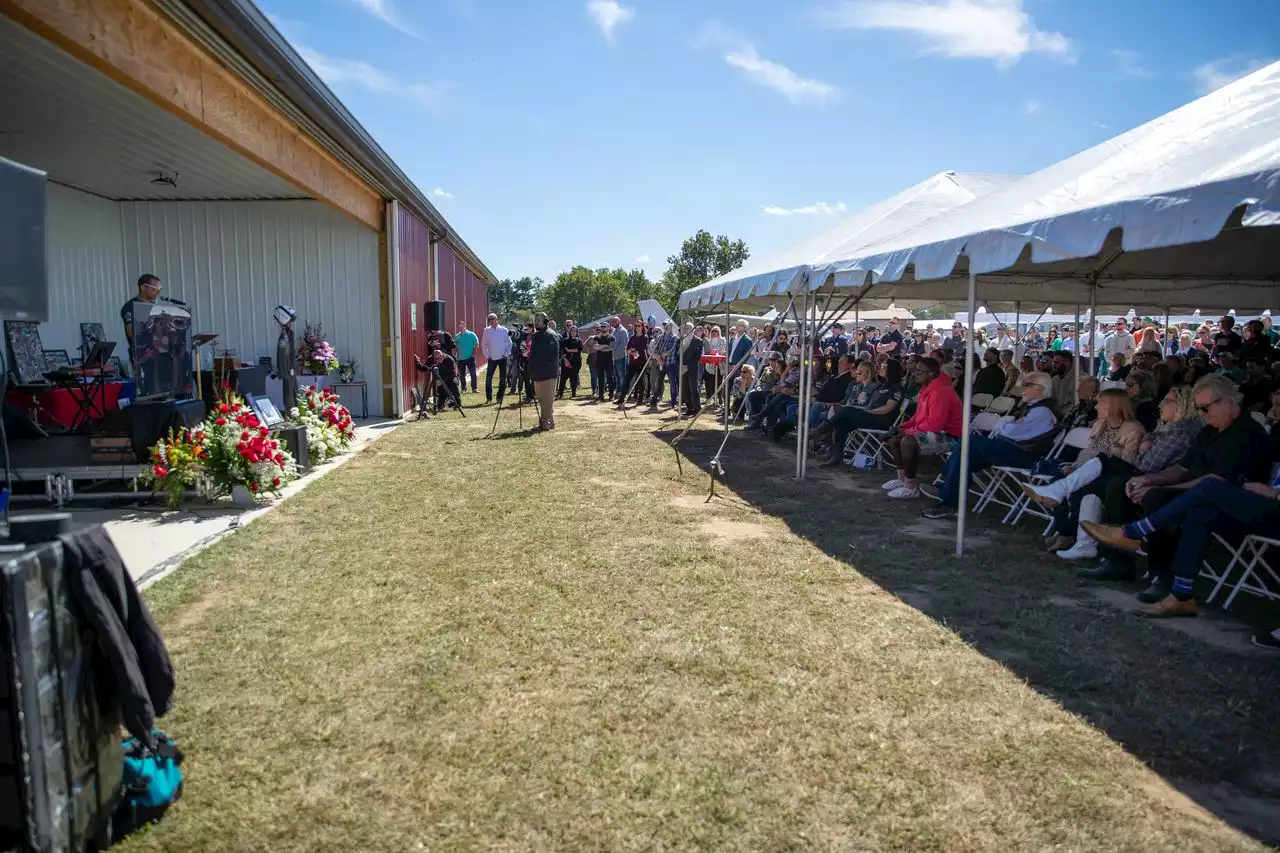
(1018, 443)
(1212, 505)
(620, 338)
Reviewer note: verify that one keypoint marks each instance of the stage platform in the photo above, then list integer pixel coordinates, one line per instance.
(64, 463)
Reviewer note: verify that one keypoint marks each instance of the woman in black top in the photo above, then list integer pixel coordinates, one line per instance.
(602, 358)
(570, 359)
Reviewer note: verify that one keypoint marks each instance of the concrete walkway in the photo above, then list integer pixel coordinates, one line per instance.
(154, 540)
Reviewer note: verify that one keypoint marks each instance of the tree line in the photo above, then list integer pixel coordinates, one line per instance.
(585, 294)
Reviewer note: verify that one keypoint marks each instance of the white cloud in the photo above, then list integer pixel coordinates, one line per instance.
(609, 15)
(968, 29)
(1030, 107)
(780, 78)
(643, 259)
(1218, 73)
(439, 192)
(338, 71)
(1130, 63)
(384, 11)
(815, 209)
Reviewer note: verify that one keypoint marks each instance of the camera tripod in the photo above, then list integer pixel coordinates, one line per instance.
(518, 373)
(426, 402)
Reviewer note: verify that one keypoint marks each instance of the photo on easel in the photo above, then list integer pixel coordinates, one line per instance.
(90, 334)
(26, 353)
(266, 410)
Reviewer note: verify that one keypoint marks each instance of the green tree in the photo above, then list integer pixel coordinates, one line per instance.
(514, 294)
(701, 258)
(585, 294)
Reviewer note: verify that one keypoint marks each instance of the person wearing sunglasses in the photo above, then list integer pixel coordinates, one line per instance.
(1231, 447)
(1018, 443)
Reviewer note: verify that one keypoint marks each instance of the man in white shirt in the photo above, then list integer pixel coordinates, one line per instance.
(1092, 343)
(495, 346)
(1120, 341)
(1003, 341)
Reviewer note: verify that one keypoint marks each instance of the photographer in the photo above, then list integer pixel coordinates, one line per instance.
(544, 369)
(444, 377)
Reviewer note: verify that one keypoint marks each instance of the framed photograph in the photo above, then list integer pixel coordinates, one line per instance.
(118, 365)
(265, 410)
(90, 334)
(26, 354)
(55, 358)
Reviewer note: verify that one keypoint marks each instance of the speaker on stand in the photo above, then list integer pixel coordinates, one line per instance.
(434, 316)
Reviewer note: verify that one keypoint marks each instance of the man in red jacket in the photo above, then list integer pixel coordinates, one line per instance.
(937, 422)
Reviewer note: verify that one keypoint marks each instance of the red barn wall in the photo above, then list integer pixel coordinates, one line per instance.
(414, 259)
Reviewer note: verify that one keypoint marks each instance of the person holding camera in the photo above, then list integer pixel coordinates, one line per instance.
(570, 359)
(544, 370)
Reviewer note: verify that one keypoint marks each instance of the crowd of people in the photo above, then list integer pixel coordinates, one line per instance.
(1179, 421)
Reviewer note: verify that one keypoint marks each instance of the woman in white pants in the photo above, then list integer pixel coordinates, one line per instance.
(1077, 497)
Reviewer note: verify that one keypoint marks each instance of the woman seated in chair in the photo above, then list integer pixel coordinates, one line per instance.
(1077, 497)
(876, 406)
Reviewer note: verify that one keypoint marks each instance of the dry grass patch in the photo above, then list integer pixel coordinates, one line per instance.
(493, 645)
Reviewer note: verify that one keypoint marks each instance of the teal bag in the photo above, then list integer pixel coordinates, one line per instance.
(151, 782)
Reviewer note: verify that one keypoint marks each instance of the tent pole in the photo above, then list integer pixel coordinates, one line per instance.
(1164, 338)
(728, 360)
(1017, 329)
(1078, 346)
(1095, 368)
(966, 417)
(803, 316)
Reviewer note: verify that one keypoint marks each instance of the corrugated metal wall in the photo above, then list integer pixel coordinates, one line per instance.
(87, 281)
(233, 262)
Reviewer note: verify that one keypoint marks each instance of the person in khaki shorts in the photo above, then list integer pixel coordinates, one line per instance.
(544, 370)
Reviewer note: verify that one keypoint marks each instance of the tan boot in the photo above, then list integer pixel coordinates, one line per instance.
(1171, 606)
(1110, 535)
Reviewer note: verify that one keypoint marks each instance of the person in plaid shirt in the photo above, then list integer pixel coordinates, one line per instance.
(667, 354)
(1077, 497)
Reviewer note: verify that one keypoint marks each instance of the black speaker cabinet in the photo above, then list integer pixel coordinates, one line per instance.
(294, 440)
(433, 314)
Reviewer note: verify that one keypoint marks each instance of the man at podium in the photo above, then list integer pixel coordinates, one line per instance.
(148, 291)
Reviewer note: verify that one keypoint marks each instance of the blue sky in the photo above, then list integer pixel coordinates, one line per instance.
(603, 132)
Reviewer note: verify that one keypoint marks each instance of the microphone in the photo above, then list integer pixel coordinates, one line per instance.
(174, 301)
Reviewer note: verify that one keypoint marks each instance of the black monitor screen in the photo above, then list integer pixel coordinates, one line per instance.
(24, 281)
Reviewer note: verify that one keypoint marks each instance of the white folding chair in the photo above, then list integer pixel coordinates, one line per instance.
(1251, 555)
(981, 401)
(1002, 405)
(1259, 417)
(1015, 391)
(1012, 479)
(872, 442)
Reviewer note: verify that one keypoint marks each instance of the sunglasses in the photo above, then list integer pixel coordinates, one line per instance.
(1205, 408)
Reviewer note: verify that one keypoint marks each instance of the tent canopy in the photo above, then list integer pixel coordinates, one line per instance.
(760, 282)
(1178, 212)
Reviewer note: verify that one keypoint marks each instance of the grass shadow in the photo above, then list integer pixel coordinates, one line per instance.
(1204, 715)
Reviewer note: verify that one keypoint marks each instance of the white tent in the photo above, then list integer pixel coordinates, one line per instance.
(760, 282)
(1177, 213)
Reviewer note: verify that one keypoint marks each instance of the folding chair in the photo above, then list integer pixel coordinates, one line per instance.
(983, 423)
(981, 401)
(1005, 488)
(872, 442)
(1002, 405)
(1259, 417)
(1252, 556)
(1023, 505)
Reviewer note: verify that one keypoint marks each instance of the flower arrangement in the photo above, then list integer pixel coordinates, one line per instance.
(347, 371)
(176, 464)
(231, 448)
(316, 356)
(330, 429)
(241, 451)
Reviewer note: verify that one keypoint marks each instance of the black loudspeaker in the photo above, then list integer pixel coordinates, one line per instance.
(433, 315)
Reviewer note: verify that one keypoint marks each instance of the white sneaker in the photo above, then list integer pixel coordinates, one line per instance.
(1080, 551)
(902, 493)
(895, 483)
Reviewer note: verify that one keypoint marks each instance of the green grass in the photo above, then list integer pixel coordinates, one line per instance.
(549, 643)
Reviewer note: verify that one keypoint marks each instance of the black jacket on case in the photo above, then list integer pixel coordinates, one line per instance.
(127, 636)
